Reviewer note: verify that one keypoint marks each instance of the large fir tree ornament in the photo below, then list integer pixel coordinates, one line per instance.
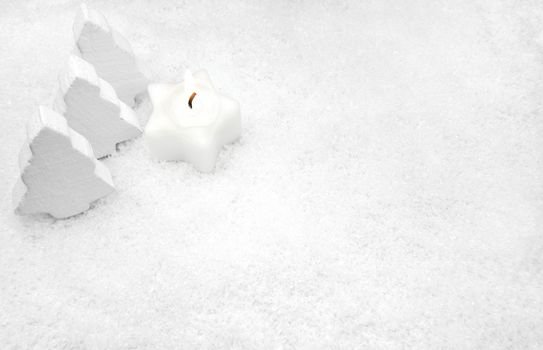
(110, 53)
(92, 108)
(60, 175)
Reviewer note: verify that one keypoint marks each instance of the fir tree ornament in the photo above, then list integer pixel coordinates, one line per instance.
(60, 175)
(92, 108)
(110, 53)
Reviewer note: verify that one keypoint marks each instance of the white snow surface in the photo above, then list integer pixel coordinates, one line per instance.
(387, 191)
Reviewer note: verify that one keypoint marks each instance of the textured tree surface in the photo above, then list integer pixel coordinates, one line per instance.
(59, 173)
(92, 108)
(109, 52)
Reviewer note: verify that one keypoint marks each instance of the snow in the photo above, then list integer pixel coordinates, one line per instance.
(386, 192)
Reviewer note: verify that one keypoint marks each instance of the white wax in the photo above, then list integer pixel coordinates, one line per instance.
(194, 133)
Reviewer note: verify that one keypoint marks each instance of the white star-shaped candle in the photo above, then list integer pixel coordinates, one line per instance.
(191, 121)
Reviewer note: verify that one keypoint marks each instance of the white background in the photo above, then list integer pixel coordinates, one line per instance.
(387, 191)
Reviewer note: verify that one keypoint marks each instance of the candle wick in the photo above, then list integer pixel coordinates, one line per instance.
(191, 98)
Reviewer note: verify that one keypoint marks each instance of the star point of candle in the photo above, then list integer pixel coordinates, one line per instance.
(188, 80)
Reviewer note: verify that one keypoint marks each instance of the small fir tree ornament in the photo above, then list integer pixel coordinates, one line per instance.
(60, 175)
(92, 108)
(110, 53)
